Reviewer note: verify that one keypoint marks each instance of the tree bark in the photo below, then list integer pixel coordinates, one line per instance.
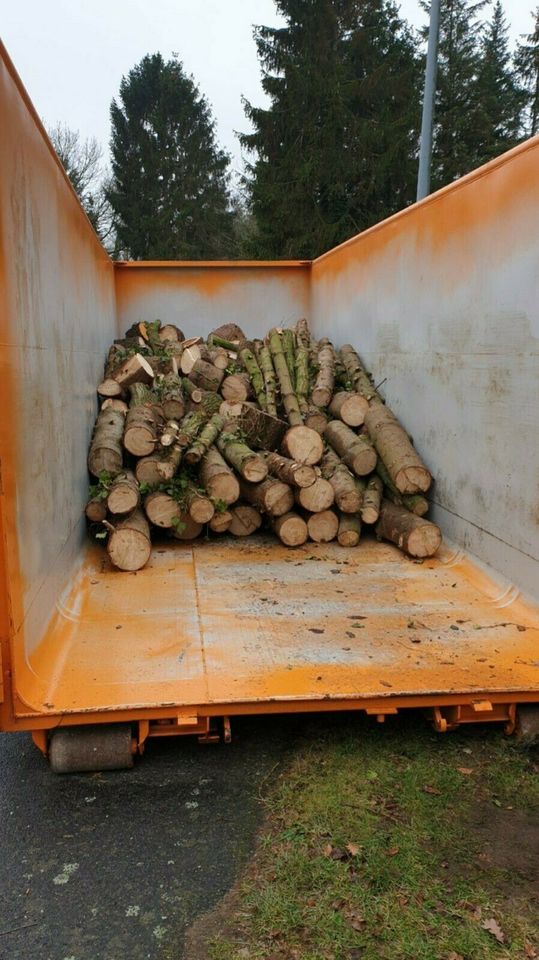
(290, 471)
(169, 331)
(147, 469)
(167, 467)
(414, 502)
(207, 436)
(407, 471)
(245, 520)
(288, 396)
(372, 498)
(135, 369)
(268, 374)
(142, 422)
(271, 496)
(250, 465)
(303, 444)
(323, 526)
(105, 454)
(291, 529)
(112, 403)
(347, 496)
(96, 510)
(206, 376)
(289, 351)
(229, 331)
(249, 361)
(358, 376)
(162, 509)
(129, 546)
(199, 506)
(236, 387)
(351, 408)
(201, 400)
(318, 497)
(323, 386)
(418, 537)
(261, 429)
(190, 428)
(349, 531)
(124, 495)
(170, 392)
(217, 478)
(356, 451)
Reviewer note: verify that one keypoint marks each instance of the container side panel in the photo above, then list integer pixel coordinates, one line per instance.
(198, 299)
(58, 318)
(443, 301)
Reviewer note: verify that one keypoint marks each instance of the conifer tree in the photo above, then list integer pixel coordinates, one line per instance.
(527, 63)
(335, 151)
(169, 188)
(499, 96)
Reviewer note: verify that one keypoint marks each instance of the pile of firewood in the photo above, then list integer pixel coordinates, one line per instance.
(227, 434)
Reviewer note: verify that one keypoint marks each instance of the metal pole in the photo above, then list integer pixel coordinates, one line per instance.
(425, 146)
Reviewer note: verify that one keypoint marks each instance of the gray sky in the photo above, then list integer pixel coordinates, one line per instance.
(71, 54)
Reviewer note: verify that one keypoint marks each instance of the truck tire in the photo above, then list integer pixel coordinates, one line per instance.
(90, 749)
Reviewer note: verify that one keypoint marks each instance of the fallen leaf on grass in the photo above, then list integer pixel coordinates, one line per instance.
(530, 950)
(454, 956)
(340, 853)
(466, 771)
(392, 852)
(358, 923)
(353, 849)
(492, 927)
(432, 790)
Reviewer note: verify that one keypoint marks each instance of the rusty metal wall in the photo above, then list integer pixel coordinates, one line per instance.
(443, 301)
(199, 297)
(58, 317)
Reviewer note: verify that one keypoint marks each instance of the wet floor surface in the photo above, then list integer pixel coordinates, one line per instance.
(116, 866)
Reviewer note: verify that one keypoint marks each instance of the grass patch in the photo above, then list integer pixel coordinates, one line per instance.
(394, 843)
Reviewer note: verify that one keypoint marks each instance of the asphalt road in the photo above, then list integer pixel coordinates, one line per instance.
(116, 866)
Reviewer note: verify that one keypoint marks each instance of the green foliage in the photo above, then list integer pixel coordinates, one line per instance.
(169, 189)
(100, 490)
(527, 64)
(178, 524)
(335, 151)
(499, 97)
(220, 506)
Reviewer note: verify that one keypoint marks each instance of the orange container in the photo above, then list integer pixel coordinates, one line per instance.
(443, 301)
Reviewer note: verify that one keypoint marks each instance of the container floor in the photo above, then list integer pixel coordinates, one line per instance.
(243, 621)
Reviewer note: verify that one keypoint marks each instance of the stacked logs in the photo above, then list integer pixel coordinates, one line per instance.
(227, 434)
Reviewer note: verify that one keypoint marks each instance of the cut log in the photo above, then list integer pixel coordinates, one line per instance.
(186, 528)
(109, 388)
(169, 331)
(349, 532)
(250, 465)
(147, 470)
(207, 436)
(129, 546)
(206, 376)
(221, 520)
(162, 509)
(230, 410)
(124, 495)
(167, 467)
(372, 499)
(142, 423)
(347, 496)
(170, 433)
(163, 366)
(105, 454)
(217, 478)
(315, 419)
(229, 331)
(201, 400)
(218, 357)
(236, 387)
(261, 429)
(351, 408)
(415, 503)
(169, 390)
(189, 357)
(199, 506)
(189, 428)
(316, 498)
(250, 363)
(325, 378)
(406, 469)
(323, 526)
(268, 374)
(291, 529)
(135, 369)
(290, 471)
(245, 520)
(303, 342)
(357, 376)
(356, 451)
(288, 397)
(96, 510)
(303, 444)
(289, 350)
(418, 537)
(271, 496)
(112, 403)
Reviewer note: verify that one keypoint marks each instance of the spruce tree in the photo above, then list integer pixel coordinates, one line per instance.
(169, 188)
(335, 150)
(527, 63)
(457, 113)
(499, 96)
